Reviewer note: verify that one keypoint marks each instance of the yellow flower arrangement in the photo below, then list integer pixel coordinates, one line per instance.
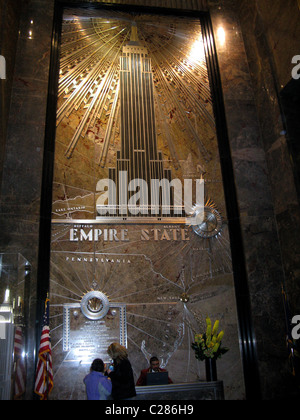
(208, 344)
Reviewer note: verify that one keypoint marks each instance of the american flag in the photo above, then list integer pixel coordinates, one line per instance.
(20, 369)
(44, 373)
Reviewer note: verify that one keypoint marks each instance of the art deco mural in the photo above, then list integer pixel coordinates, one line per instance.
(134, 104)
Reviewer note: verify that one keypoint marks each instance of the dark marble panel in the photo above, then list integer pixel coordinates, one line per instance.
(271, 37)
(21, 186)
(254, 127)
(10, 17)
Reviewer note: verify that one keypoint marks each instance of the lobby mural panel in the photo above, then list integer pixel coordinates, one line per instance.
(131, 261)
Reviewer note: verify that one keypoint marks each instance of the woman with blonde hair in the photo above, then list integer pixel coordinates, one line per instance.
(121, 376)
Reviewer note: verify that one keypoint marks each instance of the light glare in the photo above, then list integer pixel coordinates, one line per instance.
(221, 36)
(197, 51)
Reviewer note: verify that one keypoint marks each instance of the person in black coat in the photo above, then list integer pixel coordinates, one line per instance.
(121, 376)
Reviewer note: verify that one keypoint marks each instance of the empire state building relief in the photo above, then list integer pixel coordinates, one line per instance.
(135, 121)
(134, 99)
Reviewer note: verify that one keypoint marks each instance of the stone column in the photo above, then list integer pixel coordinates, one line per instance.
(23, 163)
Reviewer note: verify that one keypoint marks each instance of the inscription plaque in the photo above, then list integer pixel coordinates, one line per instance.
(86, 339)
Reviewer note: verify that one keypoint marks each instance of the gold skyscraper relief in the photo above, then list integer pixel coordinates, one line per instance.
(138, 157)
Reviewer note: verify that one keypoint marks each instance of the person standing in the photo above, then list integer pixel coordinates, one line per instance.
(98, 386)
(122, 375)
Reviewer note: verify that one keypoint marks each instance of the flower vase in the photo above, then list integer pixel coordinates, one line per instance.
(211, 369)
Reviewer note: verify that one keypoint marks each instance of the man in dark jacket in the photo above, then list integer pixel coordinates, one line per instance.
(154, 367)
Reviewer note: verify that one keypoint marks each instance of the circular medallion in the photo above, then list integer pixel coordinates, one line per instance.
(94, 305)
(210, 225)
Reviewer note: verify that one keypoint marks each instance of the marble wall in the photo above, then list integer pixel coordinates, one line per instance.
(22, 171)
(270, 48)
(267, 218)
(9, 16)
(271, 34)
(266, 198)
